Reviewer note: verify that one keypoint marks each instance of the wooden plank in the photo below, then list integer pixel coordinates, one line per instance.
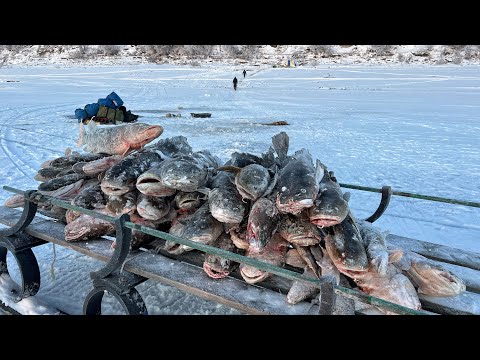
(230, 291)
(437, 252)
(464, 304)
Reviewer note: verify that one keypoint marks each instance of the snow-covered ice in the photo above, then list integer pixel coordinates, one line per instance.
(415, 128)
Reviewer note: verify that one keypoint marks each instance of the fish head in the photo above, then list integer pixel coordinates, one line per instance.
(218, 267)
(140, 134)
(14, 201)
(434, 280)
(298, 230)
(226, 205)
(329, 208)
(252, 275)
(183, 173)
(189, 200)
(252, 181)
(262, 222)
(117, 186)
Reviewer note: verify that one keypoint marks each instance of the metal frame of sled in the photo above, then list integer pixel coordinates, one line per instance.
(125, 269)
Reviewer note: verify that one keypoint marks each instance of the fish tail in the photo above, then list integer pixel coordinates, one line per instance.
(81, 136)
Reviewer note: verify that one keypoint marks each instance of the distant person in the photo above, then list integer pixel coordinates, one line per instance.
(244, 73)
(235, 81)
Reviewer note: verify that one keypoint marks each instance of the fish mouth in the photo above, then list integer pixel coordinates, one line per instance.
(302, 240)
(214, 273)
(74, 234)
(292, 206)
(114, 190)
(252, 275)
(226, 218)
(150, 133)
(153, 186)
(15, 201)
(325, 220)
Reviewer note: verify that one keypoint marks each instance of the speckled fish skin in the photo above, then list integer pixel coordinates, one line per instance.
(298, 229)
(243, 159)
(216, 266)
(187, 172)
(174, 146)
(238, 235)
(118, 205)
(67, 192)
(152, 207)
(200, 227)
(273, 253)
(92, 168)
(224, 201)
(375, 245)
(345, 246)
(189, 200)
(59, 182)
(300, 290)
(88, 227)
(117, 139)
(90, 198)
(54, 212)
(330, 208)
(49, 173)
(298, 183)
(262, 223)
(139, 238)
(430, 277)
(122, 177)
(70, 160)
(252, 181)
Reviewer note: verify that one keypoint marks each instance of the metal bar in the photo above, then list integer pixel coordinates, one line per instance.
(122, 249)
(275, 269)
(413, 195)
(356, 295)
(327, 298)
(64, 204)
(238, 258)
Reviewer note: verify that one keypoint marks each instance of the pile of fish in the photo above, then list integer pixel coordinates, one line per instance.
(286, 210)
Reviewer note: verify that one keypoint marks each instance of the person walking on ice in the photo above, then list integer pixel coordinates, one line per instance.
(235, 81)
(244, 73)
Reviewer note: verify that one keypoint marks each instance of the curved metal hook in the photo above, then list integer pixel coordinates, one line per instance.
(386, 195)
(29, 211)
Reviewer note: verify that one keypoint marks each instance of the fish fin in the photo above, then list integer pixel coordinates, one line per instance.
(272, 184)
(204, 190)
(81, 136)
(394, 255)
(280, 144)
(68, 151)
(92, 125)
(346, 196)
(319, 171)
(229, 168)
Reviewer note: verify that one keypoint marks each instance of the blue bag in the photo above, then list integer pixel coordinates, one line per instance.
(92, 109)
(80, 114)
(115, 99)
(106, 102)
